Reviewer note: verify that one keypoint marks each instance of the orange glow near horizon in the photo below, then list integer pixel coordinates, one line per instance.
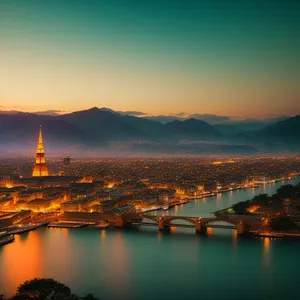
(236, 115)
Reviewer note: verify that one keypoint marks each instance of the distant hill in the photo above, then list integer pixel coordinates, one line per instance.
(242, 126)
(94, 128)
(284, 135)
(9, 112)
(286, 129)
(192, 129)
(101, 126)
(21, 129)
(164, 119)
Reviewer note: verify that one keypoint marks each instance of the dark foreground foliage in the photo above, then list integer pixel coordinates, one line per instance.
(46, 289)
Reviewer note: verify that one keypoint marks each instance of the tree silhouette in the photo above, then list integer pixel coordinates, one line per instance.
(41, 289)
(282, 223)
(46, 289)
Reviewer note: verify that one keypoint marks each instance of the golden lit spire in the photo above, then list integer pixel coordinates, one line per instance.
(40, 167)
(40, 146)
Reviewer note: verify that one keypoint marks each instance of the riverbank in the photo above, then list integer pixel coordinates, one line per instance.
(278, 234)
(220, 192)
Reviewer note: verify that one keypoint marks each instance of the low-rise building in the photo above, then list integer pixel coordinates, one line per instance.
(39, 204)
(79, 205)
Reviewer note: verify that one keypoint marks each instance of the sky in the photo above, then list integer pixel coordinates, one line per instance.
(236, 58)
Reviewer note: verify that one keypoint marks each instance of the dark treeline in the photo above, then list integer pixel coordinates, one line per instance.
(274, 203)
(45, 289)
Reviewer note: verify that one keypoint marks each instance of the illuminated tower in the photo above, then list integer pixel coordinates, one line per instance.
(40, 167)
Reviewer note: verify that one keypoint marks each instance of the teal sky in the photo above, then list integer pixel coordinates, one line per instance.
(239, 58)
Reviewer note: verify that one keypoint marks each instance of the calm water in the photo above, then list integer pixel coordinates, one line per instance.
(144, 264)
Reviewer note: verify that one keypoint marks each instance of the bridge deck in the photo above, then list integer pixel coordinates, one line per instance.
(184, 225)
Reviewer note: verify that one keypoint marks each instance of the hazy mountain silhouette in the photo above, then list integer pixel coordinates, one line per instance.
(242, 126)
(283, 130)
(164, 119)
(97, 127)
(209, 118)
(21, 129)
(101, 126)
(192, 129)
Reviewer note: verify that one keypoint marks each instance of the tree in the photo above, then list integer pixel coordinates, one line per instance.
(287, 191)
(282, 224)
(41, 288)
(261, 200)
(276, 202)
(240, 208)
(2, 297)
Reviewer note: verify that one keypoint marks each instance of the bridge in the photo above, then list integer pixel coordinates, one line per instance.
(165, 222)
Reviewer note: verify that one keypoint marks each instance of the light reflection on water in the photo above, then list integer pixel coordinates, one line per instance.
(131, 264)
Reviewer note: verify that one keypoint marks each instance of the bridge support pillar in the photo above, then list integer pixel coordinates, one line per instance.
(120, 221)
(242, 228)
(201, 227)
(161, 224)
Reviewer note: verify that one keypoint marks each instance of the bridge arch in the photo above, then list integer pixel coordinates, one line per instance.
(154, 219)
(212, 221)
(192, 221)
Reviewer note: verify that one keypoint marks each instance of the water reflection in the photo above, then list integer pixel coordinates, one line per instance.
(218, 200)
(119, 266)
(234, 238)
(266, 252)
(24, 236)
(159, 236)
(209, 231)
(103, 235)
(173, 229)
(64, 232)
(21, 261)
(175, 210)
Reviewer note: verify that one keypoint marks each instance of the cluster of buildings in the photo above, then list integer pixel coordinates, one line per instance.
(123, 186)
(43, 192)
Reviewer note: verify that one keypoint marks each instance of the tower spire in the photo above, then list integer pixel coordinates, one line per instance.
(40, 145)
(40, 167)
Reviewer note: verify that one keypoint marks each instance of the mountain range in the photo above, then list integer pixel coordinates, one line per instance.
(101, 128)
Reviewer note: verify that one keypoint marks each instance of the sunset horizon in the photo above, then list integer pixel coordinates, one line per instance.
(133, 112)
(238, 59)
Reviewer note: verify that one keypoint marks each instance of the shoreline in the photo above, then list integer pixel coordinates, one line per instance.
(190, 199)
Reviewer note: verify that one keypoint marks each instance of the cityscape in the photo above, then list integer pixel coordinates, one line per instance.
(123, 193)
(149, 150)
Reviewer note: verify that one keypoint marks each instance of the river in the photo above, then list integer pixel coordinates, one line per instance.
(145, 264)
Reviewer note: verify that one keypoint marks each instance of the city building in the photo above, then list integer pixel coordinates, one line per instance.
(67, 160)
